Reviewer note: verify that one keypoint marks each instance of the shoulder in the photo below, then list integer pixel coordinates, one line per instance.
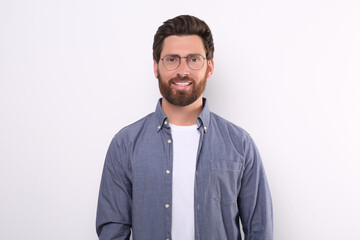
(231, 133)
(226, 126)
(237, 138)
(131, 132)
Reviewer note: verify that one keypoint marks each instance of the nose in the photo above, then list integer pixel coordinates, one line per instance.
(183, 69)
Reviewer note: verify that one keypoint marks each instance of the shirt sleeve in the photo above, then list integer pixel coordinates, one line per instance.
(113, 219)
(254, 200)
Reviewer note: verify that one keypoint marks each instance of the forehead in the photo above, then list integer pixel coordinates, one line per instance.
(183, 45)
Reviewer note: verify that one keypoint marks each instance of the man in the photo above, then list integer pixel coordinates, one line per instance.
(183, 172)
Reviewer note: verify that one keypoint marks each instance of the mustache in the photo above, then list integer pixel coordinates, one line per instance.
(179, 79)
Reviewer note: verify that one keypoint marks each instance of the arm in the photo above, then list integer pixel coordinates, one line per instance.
(113, 220)
(254, 200)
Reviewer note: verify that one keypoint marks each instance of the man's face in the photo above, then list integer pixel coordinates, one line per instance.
(183, 85)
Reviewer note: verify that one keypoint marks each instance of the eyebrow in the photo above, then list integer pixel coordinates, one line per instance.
(174, 54)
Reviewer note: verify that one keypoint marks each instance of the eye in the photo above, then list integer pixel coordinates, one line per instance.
(194, 58)
(171, 59)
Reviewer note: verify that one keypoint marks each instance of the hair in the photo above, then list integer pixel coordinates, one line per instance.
(183, 25)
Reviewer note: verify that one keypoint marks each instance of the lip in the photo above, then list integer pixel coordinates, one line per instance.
(183, 85)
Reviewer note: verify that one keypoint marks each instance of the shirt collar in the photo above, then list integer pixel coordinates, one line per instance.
(202, 121)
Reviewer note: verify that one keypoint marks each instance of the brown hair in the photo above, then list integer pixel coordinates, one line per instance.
(183, 25)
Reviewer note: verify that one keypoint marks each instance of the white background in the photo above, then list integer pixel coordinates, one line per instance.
(74, 72)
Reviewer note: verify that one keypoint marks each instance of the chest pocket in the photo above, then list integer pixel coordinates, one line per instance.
(225, 180)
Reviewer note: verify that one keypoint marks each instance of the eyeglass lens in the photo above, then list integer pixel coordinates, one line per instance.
(194, 61)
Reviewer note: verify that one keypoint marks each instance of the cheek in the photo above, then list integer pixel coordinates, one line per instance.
(163, 76)
(206, 74)
(166, 75)
(199, 75)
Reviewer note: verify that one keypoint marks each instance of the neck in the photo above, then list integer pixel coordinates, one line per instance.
(182, 116)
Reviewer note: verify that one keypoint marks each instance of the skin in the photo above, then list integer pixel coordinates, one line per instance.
(183, 46)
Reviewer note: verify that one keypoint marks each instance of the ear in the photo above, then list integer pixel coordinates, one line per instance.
(210, 68)
(156, 65)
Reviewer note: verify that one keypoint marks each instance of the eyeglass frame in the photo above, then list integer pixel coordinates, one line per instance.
(187, 62)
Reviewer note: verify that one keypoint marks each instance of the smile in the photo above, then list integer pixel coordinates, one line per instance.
(182, 84)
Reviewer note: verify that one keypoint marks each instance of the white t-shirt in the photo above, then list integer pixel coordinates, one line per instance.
(185, 147)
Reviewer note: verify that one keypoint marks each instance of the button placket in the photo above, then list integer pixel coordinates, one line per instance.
(166, 134)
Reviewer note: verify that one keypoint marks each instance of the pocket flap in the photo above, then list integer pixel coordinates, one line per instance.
(226, 166)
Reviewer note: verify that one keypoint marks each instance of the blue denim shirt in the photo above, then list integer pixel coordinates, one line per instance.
(230, 183)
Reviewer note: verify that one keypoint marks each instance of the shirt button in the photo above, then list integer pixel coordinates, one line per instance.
(159, 127)
(167, 171)
(205, 128)
(167, 205)
(169, 141)
(165, 122)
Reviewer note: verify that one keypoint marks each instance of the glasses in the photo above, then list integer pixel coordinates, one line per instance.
(173, 61)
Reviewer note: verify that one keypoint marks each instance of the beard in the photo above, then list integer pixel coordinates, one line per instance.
(179, 97)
